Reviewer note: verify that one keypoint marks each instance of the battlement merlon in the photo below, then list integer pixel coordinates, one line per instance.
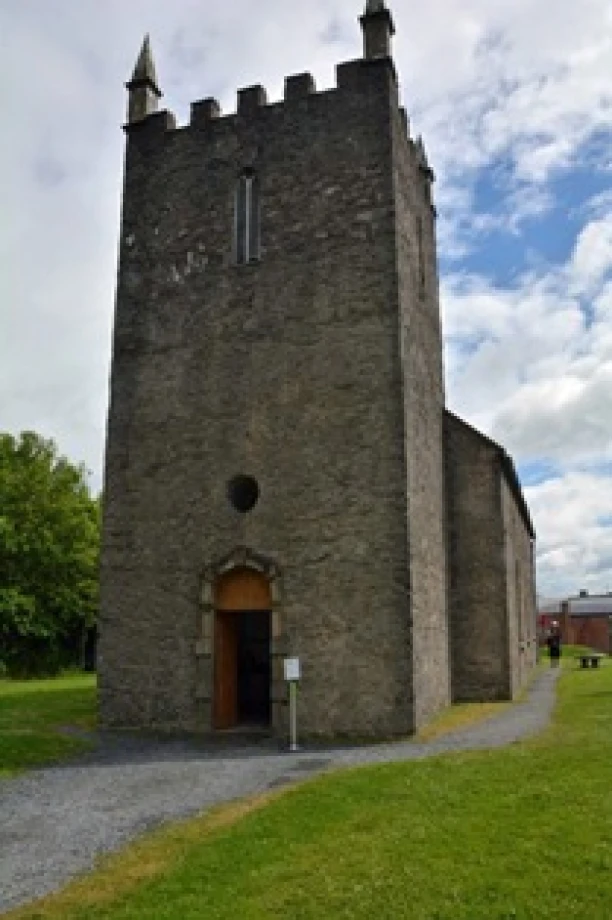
(250, 99)
(205, 111)
(299, 86)
(423, 161)
(427, 174)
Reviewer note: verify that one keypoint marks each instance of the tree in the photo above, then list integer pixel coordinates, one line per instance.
(49, 549)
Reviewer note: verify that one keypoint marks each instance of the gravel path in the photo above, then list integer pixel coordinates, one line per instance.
(55, 822)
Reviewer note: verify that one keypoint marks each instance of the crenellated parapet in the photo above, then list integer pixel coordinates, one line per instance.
(252, 101)
(373, 70)
(360, 86)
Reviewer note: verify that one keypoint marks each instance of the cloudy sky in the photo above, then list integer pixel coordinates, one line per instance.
(514, 99)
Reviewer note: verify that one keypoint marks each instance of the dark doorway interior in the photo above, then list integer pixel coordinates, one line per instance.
(254, 673)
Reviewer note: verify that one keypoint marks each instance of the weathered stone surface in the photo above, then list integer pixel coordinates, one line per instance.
(423, 392)
(491, 587)
(520, 591)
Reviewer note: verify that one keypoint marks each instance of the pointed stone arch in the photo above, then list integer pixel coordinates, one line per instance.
(240, 558)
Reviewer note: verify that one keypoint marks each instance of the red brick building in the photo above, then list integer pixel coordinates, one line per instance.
(583, 620)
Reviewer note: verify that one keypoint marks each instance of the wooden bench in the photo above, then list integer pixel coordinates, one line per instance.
(590, 660)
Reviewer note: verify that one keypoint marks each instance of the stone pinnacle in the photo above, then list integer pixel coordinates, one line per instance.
(144, 71)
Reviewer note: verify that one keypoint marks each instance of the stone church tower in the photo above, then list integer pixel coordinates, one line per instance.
(275, 471)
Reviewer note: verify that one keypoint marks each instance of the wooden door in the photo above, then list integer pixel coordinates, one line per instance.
(243, 589)
(226, 671)
(235, 592)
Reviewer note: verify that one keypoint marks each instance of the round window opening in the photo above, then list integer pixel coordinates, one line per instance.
(243, 493)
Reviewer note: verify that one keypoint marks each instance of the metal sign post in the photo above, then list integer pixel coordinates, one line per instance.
(293, 715)
(292, 676)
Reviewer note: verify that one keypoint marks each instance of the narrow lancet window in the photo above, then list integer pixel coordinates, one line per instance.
(247, 218)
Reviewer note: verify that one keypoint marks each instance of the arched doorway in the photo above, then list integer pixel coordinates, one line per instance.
(242, 661)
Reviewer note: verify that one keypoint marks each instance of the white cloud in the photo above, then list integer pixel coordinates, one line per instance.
(532, 365)
(575, 549)
(518, 85)
(592, 258)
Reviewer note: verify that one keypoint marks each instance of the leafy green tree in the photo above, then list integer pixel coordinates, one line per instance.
(49, 549)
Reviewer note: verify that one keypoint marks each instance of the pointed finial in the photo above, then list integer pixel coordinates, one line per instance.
(378, 29)
(144, 71)
(144, 92)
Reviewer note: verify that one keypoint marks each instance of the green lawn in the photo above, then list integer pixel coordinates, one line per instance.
(31, 712)
(524, 832)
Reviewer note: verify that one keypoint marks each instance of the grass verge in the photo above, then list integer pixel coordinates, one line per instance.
(32, 711)
(465, 715)
(460, 716)
(520, 833)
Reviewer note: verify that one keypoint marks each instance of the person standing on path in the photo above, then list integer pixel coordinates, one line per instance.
(554, 644)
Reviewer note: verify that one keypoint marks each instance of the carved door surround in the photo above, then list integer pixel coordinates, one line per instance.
(212, 575)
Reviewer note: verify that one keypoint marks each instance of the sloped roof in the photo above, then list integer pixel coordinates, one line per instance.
(590, 606)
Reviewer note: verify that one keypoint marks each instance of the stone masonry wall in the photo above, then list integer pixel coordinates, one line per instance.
(421, 342)
(288, 370)
(477, 565)
(520, 587)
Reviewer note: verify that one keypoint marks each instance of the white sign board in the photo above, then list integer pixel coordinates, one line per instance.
(292, 669)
